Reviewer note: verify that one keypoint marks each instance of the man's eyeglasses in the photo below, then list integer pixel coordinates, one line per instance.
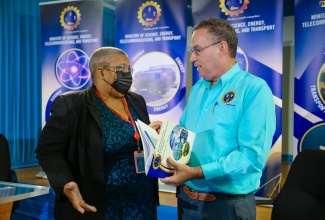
(197, 51)
(118, 68)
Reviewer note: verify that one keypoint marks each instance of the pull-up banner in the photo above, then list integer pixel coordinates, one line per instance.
(71, 32)
(259, 28)
(309, 125)
(153, 34)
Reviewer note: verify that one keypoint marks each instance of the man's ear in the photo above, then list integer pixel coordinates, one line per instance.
(223, 45)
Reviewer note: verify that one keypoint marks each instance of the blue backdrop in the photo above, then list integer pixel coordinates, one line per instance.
(21, 75)
(309, 126)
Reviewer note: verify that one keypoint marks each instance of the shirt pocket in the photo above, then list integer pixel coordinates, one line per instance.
(224, 119)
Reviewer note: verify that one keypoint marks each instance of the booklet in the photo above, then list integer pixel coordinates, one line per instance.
(173, 141)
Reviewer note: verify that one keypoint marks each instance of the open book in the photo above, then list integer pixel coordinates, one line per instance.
(173, 141)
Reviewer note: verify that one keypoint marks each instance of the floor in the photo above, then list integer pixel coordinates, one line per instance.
(28, 175)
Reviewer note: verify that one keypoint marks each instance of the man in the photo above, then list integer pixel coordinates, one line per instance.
(232, 113)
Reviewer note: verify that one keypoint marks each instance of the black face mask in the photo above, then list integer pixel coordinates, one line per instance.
(123, 82)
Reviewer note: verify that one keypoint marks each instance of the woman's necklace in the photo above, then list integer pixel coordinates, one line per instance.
(128, 120)
(101, 96)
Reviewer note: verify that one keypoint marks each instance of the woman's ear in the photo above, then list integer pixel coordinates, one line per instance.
(100, 72)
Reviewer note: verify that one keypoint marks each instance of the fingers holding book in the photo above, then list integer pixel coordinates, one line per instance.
(156, 125)
(182, 173)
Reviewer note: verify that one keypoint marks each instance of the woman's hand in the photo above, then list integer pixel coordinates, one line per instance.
(71, 190)
(156, 125)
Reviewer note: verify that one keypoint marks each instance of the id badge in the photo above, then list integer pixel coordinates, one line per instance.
(139, 161)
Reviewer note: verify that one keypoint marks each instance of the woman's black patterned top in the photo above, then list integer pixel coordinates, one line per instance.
(128, 195)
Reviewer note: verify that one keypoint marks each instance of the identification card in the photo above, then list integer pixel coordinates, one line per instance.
(139, 161)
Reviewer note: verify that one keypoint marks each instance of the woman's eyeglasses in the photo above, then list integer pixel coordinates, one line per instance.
(118, 68)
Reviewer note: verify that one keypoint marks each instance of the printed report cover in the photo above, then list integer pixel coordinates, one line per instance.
(173, 141)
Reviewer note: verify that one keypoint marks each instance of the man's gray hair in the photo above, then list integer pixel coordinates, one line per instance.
(220, 30)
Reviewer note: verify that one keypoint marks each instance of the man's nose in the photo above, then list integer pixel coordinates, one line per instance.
(193, 57)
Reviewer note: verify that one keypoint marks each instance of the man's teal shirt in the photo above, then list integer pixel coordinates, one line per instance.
(234, 122)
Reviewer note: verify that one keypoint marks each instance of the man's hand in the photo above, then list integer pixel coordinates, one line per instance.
(71, 190)
(156, 125)
(182, 173)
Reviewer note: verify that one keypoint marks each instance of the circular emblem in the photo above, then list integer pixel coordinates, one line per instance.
(149, 13)
(313, 138)
(242, 59)
(55, 94)
(233, 7)
(228, 97)
(178, 142)
(72, 69)
(156, 161)
(70, 18)
(157, 78)
(321, 83)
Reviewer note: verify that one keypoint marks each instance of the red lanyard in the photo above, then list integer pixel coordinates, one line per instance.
(131, 121)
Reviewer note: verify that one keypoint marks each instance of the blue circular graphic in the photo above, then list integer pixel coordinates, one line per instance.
(313, 138)
(178, 142)
(72, 69)
(242, 59)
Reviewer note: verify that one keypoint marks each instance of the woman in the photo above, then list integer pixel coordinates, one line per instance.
(87, 147)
